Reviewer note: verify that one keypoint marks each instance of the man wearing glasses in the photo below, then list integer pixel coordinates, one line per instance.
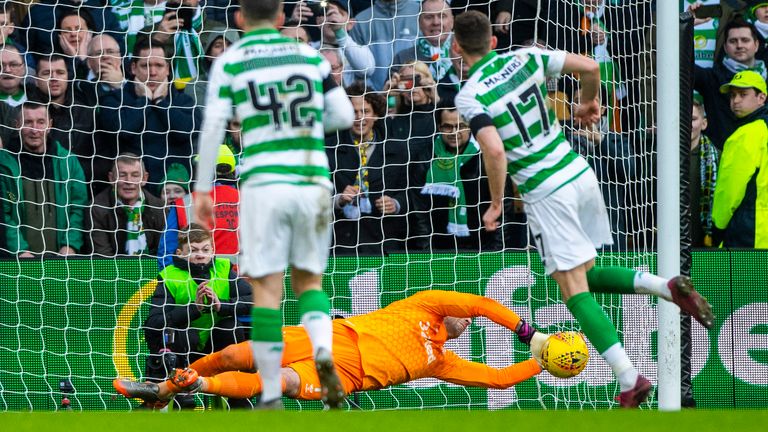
(454, 187)
(105, 70)
(12, 76)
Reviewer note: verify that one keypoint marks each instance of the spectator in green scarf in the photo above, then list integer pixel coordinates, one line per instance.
(454, 186)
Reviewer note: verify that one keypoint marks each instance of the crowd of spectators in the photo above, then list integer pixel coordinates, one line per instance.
(101, 103)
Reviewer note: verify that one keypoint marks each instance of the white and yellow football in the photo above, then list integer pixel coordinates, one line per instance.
(565, 354)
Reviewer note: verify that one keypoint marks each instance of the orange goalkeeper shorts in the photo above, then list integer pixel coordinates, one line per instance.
(346, 356)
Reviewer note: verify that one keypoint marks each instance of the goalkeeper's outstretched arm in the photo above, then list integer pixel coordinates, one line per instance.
(456, 370)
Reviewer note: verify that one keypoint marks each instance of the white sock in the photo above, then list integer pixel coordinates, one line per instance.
(320, 330)
(622, 367)
(268, 357)
(648, 283)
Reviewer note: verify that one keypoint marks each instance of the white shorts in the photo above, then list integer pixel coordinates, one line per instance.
(568, 225)
(282, 225)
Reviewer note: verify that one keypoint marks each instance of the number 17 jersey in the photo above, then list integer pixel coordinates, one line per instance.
(275, 86)
(509, 92)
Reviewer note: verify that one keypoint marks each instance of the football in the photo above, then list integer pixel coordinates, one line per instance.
(565, 354)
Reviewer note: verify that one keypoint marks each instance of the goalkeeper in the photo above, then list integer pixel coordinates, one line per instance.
(399, 343)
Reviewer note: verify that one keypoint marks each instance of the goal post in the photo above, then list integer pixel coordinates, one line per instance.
(668, 162)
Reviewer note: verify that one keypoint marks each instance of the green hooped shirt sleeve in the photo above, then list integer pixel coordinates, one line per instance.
(739, 162)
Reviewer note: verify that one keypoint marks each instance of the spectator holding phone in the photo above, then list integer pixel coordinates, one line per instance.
(179, 21)
(333, 18)
(415, 94)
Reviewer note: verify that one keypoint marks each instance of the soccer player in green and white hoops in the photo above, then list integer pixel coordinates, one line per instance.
(504, 101)
(286, 99)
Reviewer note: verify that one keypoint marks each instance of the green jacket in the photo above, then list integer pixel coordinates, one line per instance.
(740, 204)
(10, 187)
(183, 289)
(71, 196)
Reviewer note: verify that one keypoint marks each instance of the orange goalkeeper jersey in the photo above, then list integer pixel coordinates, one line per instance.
(404, 342)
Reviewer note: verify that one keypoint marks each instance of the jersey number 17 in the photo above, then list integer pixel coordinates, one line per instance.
(525, 97)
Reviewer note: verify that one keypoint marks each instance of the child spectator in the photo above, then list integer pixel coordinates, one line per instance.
(195, 307)
(226, 199)
(702, 176)
(175, 184)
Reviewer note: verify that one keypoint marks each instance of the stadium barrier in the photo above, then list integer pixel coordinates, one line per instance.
(78, 321)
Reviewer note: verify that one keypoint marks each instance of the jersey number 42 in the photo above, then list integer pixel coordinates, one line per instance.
(267, 97)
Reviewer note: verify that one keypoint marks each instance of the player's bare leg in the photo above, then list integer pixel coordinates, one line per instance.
(601, 332)
(314, 308)
(267, 336)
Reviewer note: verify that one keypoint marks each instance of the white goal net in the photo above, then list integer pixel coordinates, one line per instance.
(80, 257)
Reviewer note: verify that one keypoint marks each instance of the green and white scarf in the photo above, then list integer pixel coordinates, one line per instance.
(134, 15)
(136, 240)
(437, 58)
(736, 67)
(444, 179)
(15, 99)
(189, 50)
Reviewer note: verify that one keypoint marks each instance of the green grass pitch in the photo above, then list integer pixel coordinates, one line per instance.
(393, 421)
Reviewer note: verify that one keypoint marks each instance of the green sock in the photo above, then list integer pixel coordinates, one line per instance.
(594, 322)
(314, 308)
(314, 301)
(266, 325)
(614, 280)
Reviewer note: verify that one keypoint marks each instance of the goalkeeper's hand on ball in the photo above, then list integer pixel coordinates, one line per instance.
(535, 339)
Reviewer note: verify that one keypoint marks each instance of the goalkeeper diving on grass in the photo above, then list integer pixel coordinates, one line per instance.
(399, 343)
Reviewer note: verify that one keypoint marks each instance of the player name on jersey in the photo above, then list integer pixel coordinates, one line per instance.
(276, 87)
(511, 90)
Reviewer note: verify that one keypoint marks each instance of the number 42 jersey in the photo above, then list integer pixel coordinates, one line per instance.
(276, 87)
(509, 92)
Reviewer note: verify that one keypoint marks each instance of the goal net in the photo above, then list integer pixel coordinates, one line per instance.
(70, 324)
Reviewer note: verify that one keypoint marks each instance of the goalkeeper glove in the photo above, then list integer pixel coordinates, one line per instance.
(535, 339)
(525, 332)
